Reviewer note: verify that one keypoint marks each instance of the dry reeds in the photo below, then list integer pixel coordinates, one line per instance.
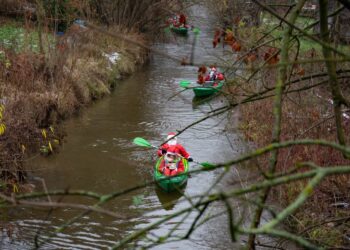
(39, 90)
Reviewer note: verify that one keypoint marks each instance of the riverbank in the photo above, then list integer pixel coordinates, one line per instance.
(307, 112)
(56, 58)
(40, 88)
(99, 155)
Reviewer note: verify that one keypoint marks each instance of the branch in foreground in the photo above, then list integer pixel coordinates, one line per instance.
(253, 188)
(316, 173)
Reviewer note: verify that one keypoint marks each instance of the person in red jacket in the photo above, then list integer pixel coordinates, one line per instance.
(182, 20)
(214, 75)
(172, 141)
(172, 163)
(220, 77)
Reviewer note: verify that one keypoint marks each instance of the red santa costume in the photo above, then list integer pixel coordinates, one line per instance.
(214, 75)
(172, 163)
(182, 20)
(172, 141)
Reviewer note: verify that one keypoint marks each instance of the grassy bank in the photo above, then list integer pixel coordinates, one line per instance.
(305, 23)
(307, 112)
(40, 89)
(52, 65)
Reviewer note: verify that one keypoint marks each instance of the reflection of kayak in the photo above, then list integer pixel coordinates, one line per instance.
(168, 200)
(179, 30)
(197, 101)
(208, 88)
(172, 183)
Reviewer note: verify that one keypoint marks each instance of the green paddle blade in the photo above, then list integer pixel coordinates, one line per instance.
(196, 31)
(167, 30)
(207, 165)
(142, 142)
(184, 84)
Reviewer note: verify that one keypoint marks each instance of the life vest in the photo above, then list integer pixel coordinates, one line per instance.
(220, 77)
(207, 78)
(201, 79)
(165, 169)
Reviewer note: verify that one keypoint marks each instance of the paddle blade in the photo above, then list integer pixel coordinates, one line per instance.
(142, 142)
(167, 30)
(207, 165)
(184, 84)
(196, 31)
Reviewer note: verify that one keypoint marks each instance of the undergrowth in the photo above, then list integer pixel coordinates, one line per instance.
(39, 90)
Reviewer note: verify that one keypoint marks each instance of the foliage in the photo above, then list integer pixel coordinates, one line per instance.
(2, 125)
(294, 105)
(60, 11)
(40, 88)
(146, 16)
(18, 39)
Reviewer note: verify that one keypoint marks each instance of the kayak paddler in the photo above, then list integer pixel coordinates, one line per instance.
(172, 141)
(172, 163)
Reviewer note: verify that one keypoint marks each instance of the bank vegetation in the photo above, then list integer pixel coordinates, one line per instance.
(54, 62)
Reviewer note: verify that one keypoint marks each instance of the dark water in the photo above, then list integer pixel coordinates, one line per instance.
(99, 156)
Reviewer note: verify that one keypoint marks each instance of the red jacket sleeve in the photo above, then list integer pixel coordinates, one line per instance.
(181, 167)
(183, 151)
(165, 147)
(182, 19)
(160, 168)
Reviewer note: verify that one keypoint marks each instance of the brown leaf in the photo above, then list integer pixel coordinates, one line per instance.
(301, 71)
(251, 57)
(236, 46)
(184, 61)
(271, 56)
(215, 42)
(229, 38)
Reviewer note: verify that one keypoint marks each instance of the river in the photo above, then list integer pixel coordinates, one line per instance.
(98, 155)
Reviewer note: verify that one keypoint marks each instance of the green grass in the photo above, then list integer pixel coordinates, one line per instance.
(301, 22)
(14, 37)
(305, 44)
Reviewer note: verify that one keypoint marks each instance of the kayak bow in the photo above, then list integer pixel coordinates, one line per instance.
(206, 90)
(172, 183)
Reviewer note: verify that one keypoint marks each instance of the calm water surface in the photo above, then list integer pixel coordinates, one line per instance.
(99, 156)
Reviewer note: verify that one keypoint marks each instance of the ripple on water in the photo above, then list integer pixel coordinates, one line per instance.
(100, 156)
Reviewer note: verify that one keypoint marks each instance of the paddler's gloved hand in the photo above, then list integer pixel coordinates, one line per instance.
(190, 159)
(163, 151)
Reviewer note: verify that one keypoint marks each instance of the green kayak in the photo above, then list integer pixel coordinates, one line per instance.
(179, 30)
(174, 182)
(207, 89)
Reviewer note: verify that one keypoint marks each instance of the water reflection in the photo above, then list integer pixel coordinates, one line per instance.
(198, 101)
(100, 157)
(169, 200)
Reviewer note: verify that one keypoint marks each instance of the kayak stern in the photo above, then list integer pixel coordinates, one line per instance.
(169, 184)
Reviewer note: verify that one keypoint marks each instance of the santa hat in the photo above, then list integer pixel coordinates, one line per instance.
(172, 138)
(171, 135)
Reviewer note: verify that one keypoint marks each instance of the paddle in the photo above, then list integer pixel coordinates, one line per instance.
(167, 30)
(144, 143)
(185, 84)
(196, 31)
